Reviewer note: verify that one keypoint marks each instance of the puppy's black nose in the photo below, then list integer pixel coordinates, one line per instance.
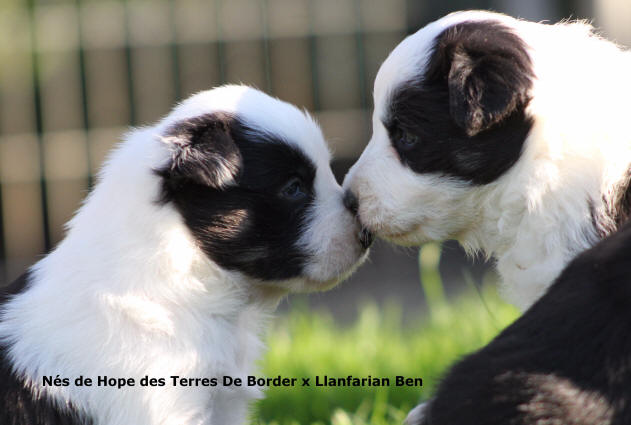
(366, 238)
(350, 202)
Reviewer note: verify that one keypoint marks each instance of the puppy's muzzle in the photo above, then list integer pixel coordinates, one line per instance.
(350, 202)
(364, 236)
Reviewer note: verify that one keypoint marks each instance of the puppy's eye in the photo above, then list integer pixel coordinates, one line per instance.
(294, 190)
(406, 140)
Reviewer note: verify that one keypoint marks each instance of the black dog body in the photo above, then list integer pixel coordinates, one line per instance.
(567, 360)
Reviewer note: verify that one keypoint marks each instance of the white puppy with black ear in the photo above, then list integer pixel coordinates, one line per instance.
(197, 227)
(510, 136)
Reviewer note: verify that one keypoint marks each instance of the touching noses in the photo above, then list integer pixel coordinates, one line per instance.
(364, 236)
(350, 202)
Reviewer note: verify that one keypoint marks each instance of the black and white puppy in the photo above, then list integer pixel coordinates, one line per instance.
(513, 138)
(566, 361)
(197, 227)
(510, 136)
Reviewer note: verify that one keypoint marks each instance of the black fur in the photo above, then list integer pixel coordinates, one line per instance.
(616, 211)
(567, 360)
(203, 152)
(230, 183)
(19, 405)
(465, 116)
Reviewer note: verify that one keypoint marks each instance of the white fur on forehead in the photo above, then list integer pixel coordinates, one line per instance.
(407, 61)
(259, 111)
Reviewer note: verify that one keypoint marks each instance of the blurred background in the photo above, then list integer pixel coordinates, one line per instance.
(74, 75)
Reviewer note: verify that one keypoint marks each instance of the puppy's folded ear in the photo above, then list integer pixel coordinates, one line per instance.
(489, 73)
(203, 151)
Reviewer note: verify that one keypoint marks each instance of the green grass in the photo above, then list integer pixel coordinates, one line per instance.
(307, 343)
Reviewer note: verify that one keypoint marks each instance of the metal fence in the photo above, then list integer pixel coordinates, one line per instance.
(75, 74)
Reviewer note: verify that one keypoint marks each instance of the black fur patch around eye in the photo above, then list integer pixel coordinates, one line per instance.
(468, 109)
(243, 224)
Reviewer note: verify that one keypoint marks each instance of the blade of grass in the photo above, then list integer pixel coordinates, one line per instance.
(432, 283)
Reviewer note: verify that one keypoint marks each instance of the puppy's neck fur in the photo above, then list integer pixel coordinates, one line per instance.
(129, 311)
(570, 198)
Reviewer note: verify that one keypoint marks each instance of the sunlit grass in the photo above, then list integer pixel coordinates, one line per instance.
(380, 344)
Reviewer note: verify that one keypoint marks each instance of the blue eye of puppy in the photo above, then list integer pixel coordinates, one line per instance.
(294, 190)
(406, 140)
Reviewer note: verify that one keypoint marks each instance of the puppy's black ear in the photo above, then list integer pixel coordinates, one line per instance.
(203, 151)
(489, 73)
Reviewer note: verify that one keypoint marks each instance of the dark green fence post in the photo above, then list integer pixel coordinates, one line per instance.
(175, 54)
(3, 255)
(221, 54)
(129, 68)
(267, 65)
(39, 123)
(85, 112)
